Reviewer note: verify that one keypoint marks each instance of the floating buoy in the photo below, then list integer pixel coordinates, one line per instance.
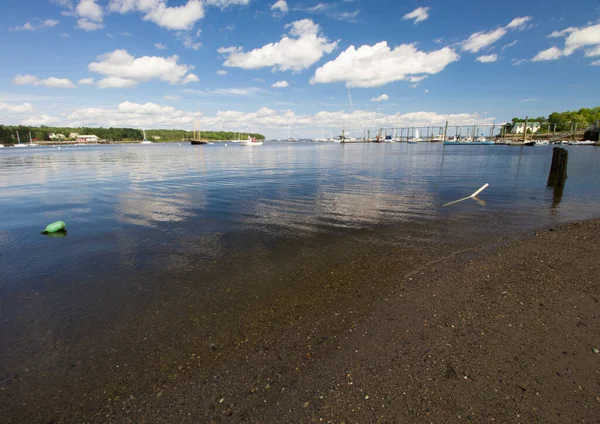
(54, 227)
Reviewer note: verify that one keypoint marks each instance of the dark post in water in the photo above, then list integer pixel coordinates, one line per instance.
(558, 169)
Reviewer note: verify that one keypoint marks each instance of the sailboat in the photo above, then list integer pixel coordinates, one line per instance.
(145, 141)
(289, 135)
(196, 140)
(415, 138)
(19, 141)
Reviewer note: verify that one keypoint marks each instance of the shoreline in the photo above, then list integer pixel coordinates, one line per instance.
(482, 331)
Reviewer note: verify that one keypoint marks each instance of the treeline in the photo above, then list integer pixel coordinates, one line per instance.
(178, 135)
(8, 134)
(564, 120)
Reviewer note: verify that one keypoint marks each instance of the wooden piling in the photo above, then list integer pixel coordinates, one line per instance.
(558, 169)
(525, 129)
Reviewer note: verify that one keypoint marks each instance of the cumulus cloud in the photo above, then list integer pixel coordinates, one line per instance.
(419, 14)
(35, 25)
(582, 37)
(90, 15)
(179, 18)
(121, 69)
(382, 98)
(130, 114)
(552, 53)
(487, 58)
(377, 65)
(280, 84)
(587, 38)
(51, 82)
(481, 40)
(22, 108)
(86, 81)
(280, 6)
(303, 47)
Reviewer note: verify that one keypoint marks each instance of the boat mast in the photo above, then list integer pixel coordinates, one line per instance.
(18, 139)
(30, 136)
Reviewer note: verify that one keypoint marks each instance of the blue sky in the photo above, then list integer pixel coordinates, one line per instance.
(263, 65)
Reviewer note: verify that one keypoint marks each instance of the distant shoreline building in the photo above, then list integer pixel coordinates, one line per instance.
(88, 138)
(532, 127)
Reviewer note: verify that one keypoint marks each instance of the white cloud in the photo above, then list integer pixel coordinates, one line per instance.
(593, 52)
(280, 84)
(582, 37)
(563, 33)
(51, 82)
(511, 44)
(88, 25)
(596, 63)
(22, 108)
(552, 53)
(40, 120)
(518, 22)
(487, 58)
(382, 98)
(90, 15)
(172, 98)
(222, 72)
(377, 65)
(116, 82)
(280, 5)
(160, 46)
(575, 38)
(179, 18)
(86, 81)
(419, 14)
(129, 114)
(182, 17)
(232, 91)
(302, 48)
(426, 91)
(35, 25)
(124, 70)
(481, 40)
(417, 78)
(90, 10)
(189, 40)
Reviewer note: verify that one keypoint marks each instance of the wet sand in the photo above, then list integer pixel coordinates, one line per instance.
(467, 330)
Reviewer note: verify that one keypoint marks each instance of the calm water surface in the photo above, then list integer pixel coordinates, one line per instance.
(157, 221)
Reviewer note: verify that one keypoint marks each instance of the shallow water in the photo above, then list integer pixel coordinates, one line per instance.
(175, 222)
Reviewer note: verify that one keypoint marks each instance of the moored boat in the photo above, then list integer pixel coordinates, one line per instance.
(251, 142)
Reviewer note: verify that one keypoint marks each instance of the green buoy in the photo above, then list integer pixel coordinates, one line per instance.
(55, 227)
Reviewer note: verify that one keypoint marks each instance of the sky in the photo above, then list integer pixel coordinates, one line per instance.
(309, 67)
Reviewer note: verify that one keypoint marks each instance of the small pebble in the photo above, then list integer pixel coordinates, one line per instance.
(221, 400)
(595, 350)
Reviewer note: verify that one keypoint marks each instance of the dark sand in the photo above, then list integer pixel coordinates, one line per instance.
(464, 332)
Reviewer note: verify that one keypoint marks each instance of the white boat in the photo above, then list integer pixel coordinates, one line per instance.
(582, 143)
(251, 142)
(1, 146)
(542, 142)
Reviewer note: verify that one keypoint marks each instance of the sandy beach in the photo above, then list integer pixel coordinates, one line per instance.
(480, 332)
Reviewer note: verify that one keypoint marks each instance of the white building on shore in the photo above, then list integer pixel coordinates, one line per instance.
(532, 127)
(88, 138)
